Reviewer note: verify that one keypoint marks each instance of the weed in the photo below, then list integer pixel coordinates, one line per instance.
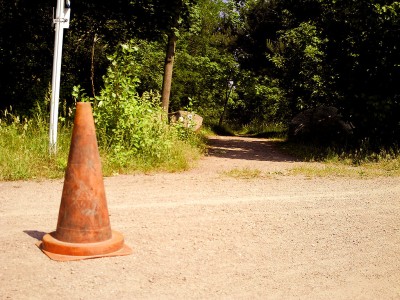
(264, 130)
(244, 173)
(24, 148)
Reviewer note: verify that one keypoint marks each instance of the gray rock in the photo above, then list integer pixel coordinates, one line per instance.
(188, 119)
(322, 124)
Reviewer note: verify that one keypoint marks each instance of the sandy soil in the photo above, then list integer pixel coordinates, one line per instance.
(204, 235)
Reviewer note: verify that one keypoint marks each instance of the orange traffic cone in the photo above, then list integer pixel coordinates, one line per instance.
(83, 227)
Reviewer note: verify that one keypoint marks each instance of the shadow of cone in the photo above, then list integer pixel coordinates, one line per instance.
(83, 227)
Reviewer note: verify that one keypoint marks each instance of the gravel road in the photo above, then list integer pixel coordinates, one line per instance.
(202, 234)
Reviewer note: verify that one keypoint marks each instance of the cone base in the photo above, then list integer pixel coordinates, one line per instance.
(62, 251)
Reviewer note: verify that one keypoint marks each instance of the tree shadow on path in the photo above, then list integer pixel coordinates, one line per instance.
(247, 148)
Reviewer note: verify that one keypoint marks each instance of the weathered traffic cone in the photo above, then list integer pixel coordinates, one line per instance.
(83, 227)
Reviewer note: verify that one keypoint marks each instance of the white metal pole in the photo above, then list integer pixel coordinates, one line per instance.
(61, 21)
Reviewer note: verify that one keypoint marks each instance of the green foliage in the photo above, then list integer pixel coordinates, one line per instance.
(388, 11)
(282, 57)
(265, 130)
(301, 66)
(184, 129)
(364, 55)
(203, 78)
(24, 150)
(25, 52)
(355, 156)
(127, 123)
(260, 100)
(204, 66)
(166, 16)
(223, 130)
(329, 52)
(132, 129)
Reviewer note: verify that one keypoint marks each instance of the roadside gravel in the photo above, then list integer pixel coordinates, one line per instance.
(204, 235)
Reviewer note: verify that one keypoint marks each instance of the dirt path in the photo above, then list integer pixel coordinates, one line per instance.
(204, 235)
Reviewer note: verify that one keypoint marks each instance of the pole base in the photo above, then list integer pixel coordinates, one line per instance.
(63, 251)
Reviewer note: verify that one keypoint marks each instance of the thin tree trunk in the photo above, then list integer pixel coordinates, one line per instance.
(92, 65)
(168, 67)
(227, 95)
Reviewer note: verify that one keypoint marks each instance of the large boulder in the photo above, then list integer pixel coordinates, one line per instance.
(323, 124)
(188, 119)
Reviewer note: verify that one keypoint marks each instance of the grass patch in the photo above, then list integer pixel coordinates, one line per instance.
(367, 170)
(264, 130)
(244, 173)
(223, 130)
(181, 157)
(355, 163)
(24, 152)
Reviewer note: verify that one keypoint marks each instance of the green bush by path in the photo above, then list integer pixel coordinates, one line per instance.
(132, 131)
(24, 152)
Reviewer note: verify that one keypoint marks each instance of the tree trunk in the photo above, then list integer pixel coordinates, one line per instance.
(228, 93)
(92, 65)
(168, 66)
